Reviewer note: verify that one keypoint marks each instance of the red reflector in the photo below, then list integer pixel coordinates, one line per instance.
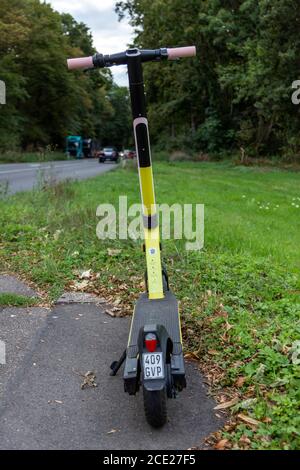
(151, 342)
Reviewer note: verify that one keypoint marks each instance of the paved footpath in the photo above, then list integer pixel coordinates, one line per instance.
(42, 404)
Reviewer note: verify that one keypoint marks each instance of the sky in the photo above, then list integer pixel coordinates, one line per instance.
(109, 34)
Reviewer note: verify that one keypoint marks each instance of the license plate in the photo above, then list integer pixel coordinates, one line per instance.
(153, 366)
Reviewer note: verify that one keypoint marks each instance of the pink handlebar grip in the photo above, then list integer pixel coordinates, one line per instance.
(80, 63)
(177, 52)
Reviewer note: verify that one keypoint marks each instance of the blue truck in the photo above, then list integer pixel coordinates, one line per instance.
(80, 147)
(74, 147)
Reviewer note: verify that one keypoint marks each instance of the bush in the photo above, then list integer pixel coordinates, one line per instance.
(161, 155)
(202, 157)
(180, 156)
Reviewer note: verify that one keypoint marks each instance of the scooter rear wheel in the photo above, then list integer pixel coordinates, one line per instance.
(155, 405)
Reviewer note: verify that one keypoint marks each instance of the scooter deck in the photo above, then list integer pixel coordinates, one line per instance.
(160, 311)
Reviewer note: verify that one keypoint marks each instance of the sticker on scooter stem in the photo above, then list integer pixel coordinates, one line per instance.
(153, 366)
(152, 251)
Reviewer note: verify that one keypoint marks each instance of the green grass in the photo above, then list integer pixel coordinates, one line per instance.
(31, 157)
(13, 300)
(239, 295)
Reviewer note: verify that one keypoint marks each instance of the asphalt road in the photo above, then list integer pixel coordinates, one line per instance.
(42, 404)
(25, 176)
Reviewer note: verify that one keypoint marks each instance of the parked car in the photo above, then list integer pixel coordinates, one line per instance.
(109, 153)
(129, 153)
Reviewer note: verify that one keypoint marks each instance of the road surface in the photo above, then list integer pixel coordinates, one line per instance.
(25, 176)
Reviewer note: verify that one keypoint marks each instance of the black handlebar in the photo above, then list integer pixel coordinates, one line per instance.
(147, 55)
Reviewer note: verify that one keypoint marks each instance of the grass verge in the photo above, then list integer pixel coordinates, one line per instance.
(8, 299)
(239, 296)
(31, 157)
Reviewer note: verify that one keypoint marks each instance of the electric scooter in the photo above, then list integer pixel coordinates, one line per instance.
(154, 356)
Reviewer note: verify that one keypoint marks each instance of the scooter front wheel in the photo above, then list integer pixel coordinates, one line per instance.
(155, 405)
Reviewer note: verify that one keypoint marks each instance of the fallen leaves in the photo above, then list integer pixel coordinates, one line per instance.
(222, 444)
(192, 356)
(295, 353)
(89, 380)
(113, 252)
(228, 326)
(240, 381)
(56, 234)
(267, 420)
(244, 441)
(113, 312)
(86, 274)
(76, 285)
(213, 352)
(227, 404)
(248, 420)
(117, 294)
(213, 373)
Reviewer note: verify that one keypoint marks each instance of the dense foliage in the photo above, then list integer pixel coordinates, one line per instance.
(45, 102)
(235, 95)
(237, 92)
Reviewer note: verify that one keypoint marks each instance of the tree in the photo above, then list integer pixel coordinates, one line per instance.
(118, 129)
(14, 31)
(236, 92)
(46, 102)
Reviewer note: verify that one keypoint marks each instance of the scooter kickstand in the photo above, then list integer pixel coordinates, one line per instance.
(115, 366)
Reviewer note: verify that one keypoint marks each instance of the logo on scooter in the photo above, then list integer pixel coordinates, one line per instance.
(152, 251)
